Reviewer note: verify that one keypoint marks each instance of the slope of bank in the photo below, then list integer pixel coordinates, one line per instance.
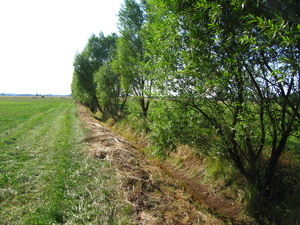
(159, 193)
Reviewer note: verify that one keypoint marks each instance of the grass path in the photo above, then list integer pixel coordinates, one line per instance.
(44, 176)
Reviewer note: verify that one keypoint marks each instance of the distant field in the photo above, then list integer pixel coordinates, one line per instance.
(44, 176)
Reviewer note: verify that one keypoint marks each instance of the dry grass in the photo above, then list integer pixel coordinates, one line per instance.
(213, 194)
(197, 180)
(155, 197)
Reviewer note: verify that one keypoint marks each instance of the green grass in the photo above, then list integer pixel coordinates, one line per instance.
(45, 177)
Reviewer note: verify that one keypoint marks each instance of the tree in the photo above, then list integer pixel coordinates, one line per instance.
(112, 97)
(86, 63)
(83, 86)
(101, 48)
(245, 54)
(130, 61)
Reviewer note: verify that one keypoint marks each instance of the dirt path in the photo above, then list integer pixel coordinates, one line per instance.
(156, 197)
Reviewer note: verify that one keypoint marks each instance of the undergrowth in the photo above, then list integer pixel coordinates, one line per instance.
(219, 174)
(203, 169)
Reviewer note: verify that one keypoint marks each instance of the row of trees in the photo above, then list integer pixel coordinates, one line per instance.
(230, 66)
(111, 68)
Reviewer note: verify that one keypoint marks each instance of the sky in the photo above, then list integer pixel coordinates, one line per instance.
(39, 39)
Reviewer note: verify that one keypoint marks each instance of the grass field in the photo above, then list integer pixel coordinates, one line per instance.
(45, 178)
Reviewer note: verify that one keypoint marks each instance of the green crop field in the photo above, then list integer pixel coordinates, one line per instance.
(45, 178)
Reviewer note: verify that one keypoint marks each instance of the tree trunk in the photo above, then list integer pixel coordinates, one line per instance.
(123, 104)
(270, 171)
(145, 106)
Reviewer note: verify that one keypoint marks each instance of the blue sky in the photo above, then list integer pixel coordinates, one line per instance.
(39, 39)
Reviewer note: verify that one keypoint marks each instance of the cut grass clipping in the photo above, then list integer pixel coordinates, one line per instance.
(45, 178)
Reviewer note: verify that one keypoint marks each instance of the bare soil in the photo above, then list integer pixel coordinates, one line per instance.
(158, 192)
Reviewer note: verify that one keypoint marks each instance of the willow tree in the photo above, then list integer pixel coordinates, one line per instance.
(83, 86)
(131, 61)
(111, 95)
(233, 70)
(95, 54)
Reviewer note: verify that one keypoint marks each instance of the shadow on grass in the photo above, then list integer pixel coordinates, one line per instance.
(283, 206)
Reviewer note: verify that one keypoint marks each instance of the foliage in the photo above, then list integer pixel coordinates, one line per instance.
(95, 54)
(236, 64)
(83, 86)
(130, 61)
(111, 68)
(171, 120)
(110, 95)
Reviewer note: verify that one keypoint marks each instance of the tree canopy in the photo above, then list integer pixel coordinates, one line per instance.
(95, 54)
(234, 65)
(131, 60)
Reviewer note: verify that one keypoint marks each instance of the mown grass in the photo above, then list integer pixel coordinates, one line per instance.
(45, 177)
